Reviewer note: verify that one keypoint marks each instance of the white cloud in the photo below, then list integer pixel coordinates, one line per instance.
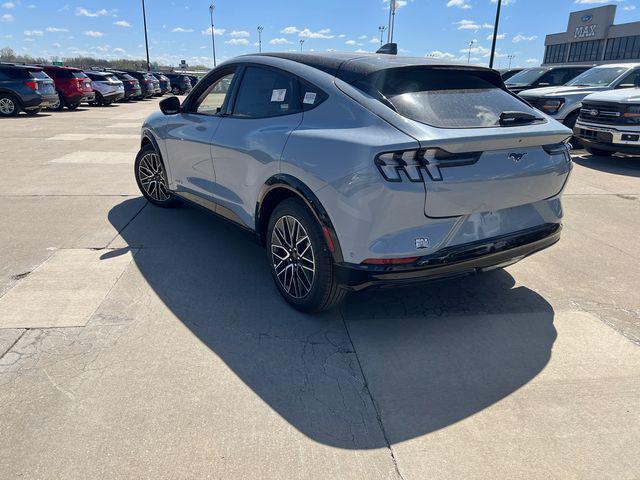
(56, 45)
(289, 30)
(279, 41)
(501, 36)
(464, 4)
(629, 8)
(506, 3)
(362, 37)
(56, 29)
(216, 31)
(184, 30)
(467, 25)
(531, 60)
(237, 41)
(7, 17)
(93, 33)
(523, 38)
(119, 51)
(374, 40)
(350, 42)
(33, 33)
(240, 34)
(122, 23)
(324, 33)
(83, 12)
(441, 55)
(8, 5)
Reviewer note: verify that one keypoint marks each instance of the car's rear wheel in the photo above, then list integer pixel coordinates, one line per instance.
(300, 260)
(151, 177)
(8, 105)
(58, 105)
(600, 153)
(73, 106)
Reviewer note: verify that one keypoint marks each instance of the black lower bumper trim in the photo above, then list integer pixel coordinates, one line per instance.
(459, 260)
(610, 147)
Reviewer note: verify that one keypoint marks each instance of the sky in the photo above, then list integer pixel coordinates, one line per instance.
(180, 29)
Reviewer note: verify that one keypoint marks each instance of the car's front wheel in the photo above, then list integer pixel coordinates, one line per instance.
(300, 260)
(151, 177)
(8, 106)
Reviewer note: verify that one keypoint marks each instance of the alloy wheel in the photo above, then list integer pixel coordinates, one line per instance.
(7, 106)
(152, 178)
(292, 256)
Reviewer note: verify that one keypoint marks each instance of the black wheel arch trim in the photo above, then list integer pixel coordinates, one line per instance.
(302, 191)
(146, 134)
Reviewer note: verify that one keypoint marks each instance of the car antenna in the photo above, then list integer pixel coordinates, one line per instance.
(389, 49)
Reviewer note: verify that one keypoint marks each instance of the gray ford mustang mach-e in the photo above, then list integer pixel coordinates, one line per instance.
(360, 170)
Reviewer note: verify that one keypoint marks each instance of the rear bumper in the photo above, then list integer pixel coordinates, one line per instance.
(135, 92)
(454, 261)
(114, 96)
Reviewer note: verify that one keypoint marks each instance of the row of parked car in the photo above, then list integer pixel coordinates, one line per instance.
(30, 88)
(600, 104)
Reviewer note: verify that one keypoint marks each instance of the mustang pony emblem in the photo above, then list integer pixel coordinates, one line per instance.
(516, 157)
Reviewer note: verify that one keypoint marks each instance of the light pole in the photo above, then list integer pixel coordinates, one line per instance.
(469, 56)
(510, 57)
(146, 40)
(381, 29)
(495, 34)
(392, 20)
(212, 7)
(301, 43)
(260, 29)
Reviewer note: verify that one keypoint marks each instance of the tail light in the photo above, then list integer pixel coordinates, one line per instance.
(32, 84)
(411, 162)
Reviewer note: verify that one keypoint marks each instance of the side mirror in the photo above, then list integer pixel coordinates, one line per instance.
(170, 106)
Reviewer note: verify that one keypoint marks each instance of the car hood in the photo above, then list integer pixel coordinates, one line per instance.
(562, 91)
(627, 95)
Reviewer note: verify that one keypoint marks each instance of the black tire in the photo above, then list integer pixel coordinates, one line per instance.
(156, 190)
(600, 153)
(304, 291)
(33, 113)
(9, 106)
(73, 107)
(570, 122)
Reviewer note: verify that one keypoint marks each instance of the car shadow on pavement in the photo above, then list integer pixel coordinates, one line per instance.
(617, 164)
(429, 356)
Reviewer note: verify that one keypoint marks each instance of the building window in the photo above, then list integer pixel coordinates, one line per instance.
(556, 53)
(586, 51)
(623, 48)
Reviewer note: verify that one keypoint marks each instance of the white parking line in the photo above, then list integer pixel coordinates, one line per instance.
(89, 157)
(126, 125)
(92, 136)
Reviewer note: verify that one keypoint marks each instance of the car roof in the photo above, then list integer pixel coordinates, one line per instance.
(619, 65)
(58, 67)
(19, 67)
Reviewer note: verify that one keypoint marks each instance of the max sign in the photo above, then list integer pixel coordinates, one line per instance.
(585, 31)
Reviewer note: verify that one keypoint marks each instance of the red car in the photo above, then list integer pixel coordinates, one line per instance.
(72, 85)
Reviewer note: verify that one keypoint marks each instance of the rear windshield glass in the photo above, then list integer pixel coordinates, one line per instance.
(526, 77)
(16, 73)
(79, 75)
(444, 98)
(39, 74)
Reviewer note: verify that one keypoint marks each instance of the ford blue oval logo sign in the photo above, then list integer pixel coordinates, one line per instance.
(587, 18)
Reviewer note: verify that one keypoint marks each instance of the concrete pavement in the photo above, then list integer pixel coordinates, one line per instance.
(183, 362)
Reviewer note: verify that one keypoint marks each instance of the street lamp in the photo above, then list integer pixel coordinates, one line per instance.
(469, 56)
(260, 29)
(146, 40)
(381, 29)
(392, 20)
(212, 7)
(301, 43)
(495, 34)
(510, 57)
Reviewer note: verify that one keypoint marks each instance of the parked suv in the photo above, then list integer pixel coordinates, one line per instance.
(147, 83)
(165, 83)
(72, 85)
(180, 84)
(543, 77)
(564, 103)
(609, 122)
(107, 86)
(24, 88)
(362, 170)
(132, 88)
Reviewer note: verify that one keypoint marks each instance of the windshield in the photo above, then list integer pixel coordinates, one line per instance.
(598, 77)
(40, 75)
(526, 77)
(445, 98)
(79, 75)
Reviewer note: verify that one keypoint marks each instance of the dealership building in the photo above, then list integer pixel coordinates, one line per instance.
(593, 38)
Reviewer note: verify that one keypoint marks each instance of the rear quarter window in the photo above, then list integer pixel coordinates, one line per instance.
(444, 98)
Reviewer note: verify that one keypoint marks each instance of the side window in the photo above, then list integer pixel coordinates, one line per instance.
(310, 95)
(266, 93)
(630, 81)
(213, 98)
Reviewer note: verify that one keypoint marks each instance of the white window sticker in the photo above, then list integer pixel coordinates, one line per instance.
(278, 95)
(309, 98)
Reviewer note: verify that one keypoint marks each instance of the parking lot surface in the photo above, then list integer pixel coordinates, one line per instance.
(137, 342)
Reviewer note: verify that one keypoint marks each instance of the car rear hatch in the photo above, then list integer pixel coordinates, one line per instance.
(44, 83)
(481, 148)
